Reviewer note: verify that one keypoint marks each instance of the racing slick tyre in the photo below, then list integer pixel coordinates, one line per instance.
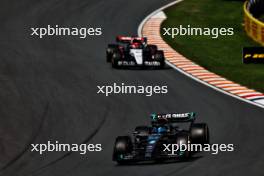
(183, 139)
(123, 145)
(159, 56)
(200, 133)
(115, 58)
(152, 48)
(111, 49)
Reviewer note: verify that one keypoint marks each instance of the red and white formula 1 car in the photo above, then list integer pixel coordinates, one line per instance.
(134, 51)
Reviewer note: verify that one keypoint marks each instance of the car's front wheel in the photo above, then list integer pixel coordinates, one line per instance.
(123, 146)
(200, 133)
(182, 141)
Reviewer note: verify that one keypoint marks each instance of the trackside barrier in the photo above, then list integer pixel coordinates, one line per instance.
(254, 27)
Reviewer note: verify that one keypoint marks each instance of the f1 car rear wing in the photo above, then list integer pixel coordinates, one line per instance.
(126, 39)
(173, 117)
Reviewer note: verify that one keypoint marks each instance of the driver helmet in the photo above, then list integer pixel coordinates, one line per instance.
(136, 44)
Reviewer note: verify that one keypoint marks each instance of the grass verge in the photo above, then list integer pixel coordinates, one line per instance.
(222, 55)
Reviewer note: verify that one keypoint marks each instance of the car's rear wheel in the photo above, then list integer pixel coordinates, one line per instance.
(123, 146)
(152, 48)
(115, 58)
(200, 133)
(159, 56)
(111, 49)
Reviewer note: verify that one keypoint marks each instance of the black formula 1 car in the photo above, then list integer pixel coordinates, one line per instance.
(134, 51)
(149, 143)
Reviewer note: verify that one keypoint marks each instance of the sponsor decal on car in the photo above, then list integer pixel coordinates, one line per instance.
(152, 63)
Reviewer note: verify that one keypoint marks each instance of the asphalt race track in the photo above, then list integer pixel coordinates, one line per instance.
(48, 92)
